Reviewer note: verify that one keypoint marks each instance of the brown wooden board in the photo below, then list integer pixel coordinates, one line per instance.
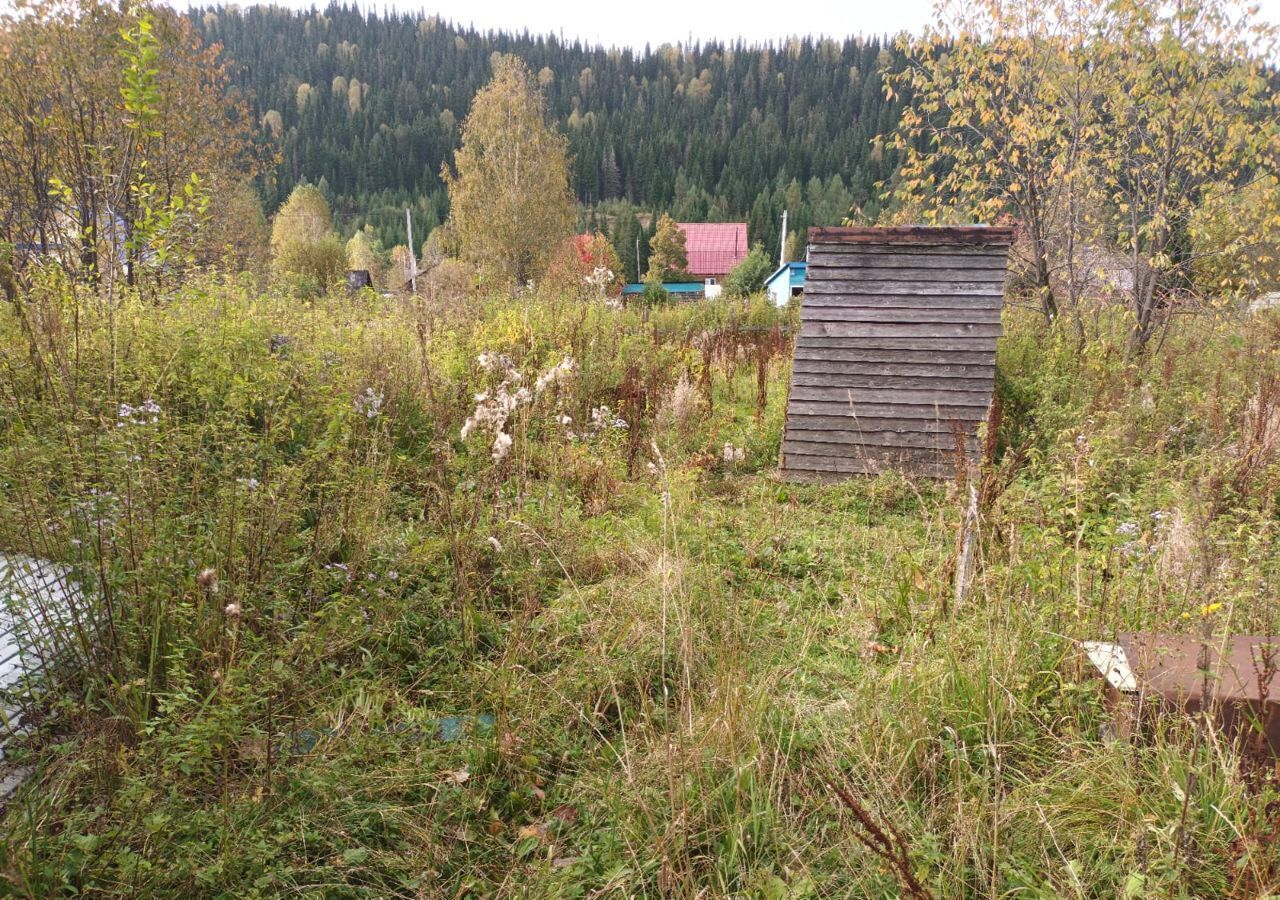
(908, 235)
(879, 355)
(893, 411)
(925, 287)
(877, 372)
(898, 330)
(845, 429)
(937, 440)
(867, 258)
(833, 271)
(927, 398)
(842, 420)
(814, 302)
(792, 473)
(931, 463)
(893, 382)
(916, 344)
(989, 316)
(797, 448)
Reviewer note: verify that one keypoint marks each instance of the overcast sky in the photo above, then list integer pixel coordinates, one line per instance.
(634, 23)
(637, 22)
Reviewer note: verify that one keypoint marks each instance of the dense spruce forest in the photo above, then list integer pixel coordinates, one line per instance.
(369, 106)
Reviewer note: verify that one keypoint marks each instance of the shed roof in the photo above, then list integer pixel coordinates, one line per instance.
(966, 235)
(714, 248)
(895, 359)
(794, 268)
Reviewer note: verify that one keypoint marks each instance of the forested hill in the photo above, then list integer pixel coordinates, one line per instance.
(372, 104)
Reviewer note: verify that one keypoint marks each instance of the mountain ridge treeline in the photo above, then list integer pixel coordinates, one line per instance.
(369, 107)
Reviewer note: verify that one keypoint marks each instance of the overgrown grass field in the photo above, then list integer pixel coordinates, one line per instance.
(591, 649)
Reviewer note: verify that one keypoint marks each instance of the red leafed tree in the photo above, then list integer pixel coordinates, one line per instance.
(586, 265)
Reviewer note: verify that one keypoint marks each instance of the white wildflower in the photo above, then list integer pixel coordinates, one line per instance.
(495, 362)
(208, 580)
(600, 278)
(147, 413)
(99, 505)
(495, 544)
(603, 417)
(732, 454)
(559, 372)
(232, 610)
(501, 446)
(368, 403)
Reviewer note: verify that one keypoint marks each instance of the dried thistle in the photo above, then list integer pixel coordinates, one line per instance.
(208, 580)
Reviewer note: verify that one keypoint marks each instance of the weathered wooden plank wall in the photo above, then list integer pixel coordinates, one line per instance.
(897, 346)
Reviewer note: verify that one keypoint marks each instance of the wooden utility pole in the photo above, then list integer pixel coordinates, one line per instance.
(782, 252)
(413, 262)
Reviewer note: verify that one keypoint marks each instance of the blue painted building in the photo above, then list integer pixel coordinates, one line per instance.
(786, 282)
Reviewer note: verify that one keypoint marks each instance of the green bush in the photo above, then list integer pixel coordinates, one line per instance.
(312, 266)
(748, 276)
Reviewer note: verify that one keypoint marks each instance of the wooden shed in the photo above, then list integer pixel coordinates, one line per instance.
(896, 350)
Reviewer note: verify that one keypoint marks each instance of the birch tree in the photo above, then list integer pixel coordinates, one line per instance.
(510, 203)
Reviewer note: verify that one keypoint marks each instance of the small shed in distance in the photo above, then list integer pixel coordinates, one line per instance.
(896, 351)
(786, 282)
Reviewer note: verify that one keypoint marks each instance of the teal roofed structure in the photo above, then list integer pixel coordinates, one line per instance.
(681, 290)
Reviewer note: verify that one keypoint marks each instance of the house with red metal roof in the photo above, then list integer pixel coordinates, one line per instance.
(713, 249)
